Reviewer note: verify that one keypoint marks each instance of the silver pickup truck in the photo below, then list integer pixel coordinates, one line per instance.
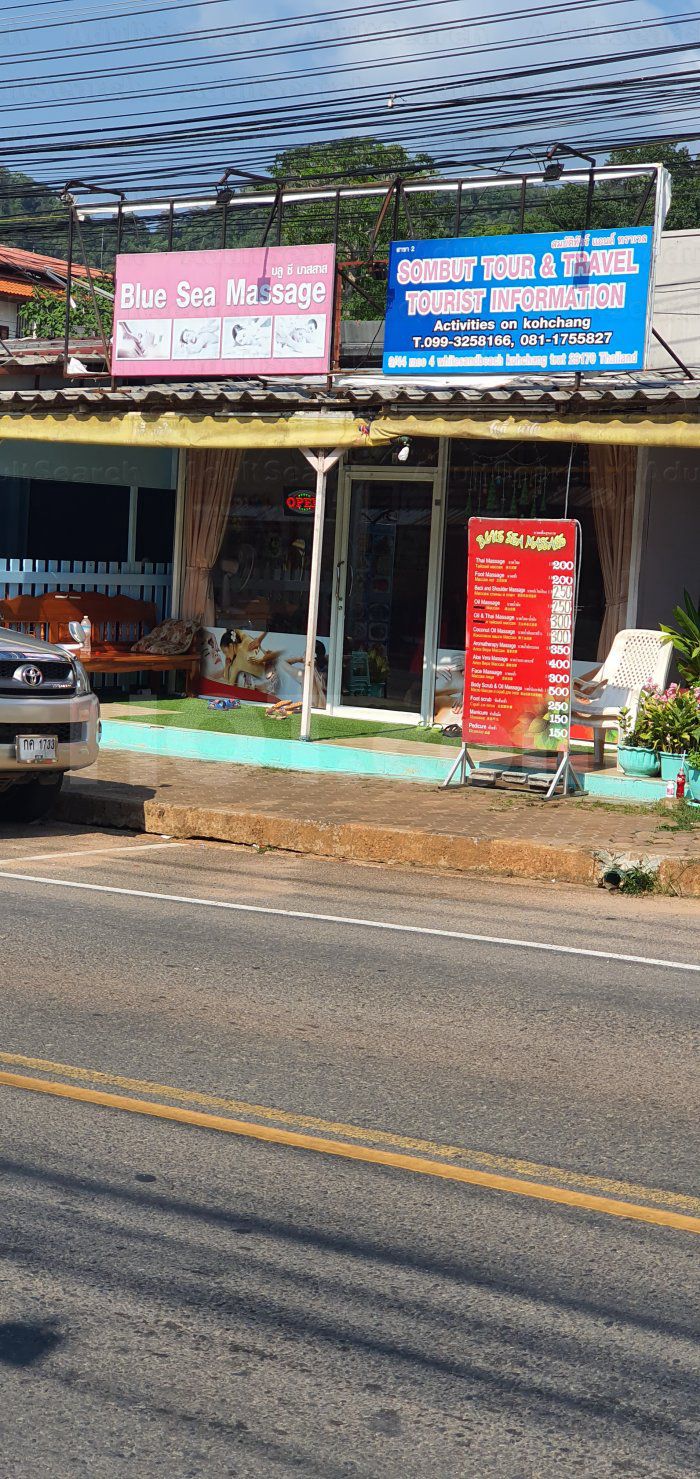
(49, 723)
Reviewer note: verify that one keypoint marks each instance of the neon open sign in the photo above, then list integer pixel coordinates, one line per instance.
(300, 503)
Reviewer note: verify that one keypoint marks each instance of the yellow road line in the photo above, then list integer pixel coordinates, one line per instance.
(657, 1216)
(608, 1186)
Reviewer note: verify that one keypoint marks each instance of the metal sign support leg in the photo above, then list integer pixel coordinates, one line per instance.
(564, 772)
(463, 760)
(567, 775)
(322, 463)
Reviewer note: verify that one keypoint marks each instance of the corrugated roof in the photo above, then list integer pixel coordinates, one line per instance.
(37, 354)
(38, 262)
(601, 394)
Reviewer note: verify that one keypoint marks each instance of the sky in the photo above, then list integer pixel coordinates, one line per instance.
(148, 74)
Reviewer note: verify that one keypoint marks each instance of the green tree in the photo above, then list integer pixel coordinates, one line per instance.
(684, 214)
(357, 161)
(45, 312)
(31, 215)
(352, 161)
(618, 202)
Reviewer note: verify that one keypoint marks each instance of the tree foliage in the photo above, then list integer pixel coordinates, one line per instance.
(346, 162)
(45, 313)
(35, 218)
(621, 202)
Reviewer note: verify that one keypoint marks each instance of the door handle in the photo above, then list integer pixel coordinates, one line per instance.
(338, 569)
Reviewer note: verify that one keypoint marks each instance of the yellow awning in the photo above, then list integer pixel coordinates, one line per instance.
(171, 429)
(341, 428)
(634, 430)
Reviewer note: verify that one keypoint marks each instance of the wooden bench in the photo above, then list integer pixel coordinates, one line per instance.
(117, 622)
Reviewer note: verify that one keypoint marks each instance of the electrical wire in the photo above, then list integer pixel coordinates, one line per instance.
(310, 19)
(319, 44)
(402, 60)
(380, 95)
(442, 115)
(265, 118)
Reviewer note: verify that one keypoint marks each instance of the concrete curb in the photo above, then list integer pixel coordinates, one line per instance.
(360, 842)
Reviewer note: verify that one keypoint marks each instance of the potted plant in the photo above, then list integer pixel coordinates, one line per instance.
(636, 752)
(685, 639)
(666, 729)
(692, 770)
(679, 721)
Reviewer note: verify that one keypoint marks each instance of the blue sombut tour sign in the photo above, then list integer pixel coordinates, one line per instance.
(488, 305)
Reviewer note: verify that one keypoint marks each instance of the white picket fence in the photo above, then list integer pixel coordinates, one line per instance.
(114, 578)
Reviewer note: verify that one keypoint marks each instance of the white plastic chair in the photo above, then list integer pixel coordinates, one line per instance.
(636, 657)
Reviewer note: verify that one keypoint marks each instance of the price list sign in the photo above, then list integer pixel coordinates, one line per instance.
(521, 598)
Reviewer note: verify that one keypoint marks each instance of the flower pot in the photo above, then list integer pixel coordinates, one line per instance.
(693, 776)
(636, 761)
(671, 763)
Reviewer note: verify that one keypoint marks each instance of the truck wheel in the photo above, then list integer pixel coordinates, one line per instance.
(30, 802)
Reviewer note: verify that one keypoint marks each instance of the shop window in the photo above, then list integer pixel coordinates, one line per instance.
(14, 515)
(155, 525)
(261, 583)
(262, 576)
(523, 480)
(77, 521)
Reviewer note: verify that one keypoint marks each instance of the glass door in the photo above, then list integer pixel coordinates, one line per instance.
(382, 578)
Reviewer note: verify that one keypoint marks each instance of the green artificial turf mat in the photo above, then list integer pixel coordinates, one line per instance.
(251, 719)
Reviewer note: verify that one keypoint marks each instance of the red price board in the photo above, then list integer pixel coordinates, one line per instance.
(521, 602)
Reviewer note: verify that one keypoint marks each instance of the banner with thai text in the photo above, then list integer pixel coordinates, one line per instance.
(518, 305)
(255, 311)
(521, 603)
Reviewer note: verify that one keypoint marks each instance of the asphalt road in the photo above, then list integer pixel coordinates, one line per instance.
(177, 1300)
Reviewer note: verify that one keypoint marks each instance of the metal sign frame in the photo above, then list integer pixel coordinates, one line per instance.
(393, 195)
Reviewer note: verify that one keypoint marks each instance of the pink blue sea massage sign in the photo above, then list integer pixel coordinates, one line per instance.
(254, 311)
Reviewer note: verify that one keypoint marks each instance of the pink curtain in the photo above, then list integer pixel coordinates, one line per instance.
(211, 477)
(613, 478)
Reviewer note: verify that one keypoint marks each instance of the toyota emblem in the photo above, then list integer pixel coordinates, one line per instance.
(31, 676)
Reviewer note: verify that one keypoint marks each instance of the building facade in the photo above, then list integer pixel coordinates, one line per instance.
(201, 495)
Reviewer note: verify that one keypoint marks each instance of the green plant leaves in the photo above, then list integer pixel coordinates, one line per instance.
(685, 637)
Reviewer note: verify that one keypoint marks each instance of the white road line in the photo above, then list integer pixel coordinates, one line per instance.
(349, 920)
(86, 852)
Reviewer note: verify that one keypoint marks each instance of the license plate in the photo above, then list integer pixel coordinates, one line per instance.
(37, 749)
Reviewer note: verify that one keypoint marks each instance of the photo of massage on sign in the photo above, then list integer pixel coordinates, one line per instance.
(260, 666)
(246, 338)
(196, 338)
(142, 339)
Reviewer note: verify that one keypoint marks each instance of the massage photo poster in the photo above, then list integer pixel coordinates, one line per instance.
(260, 666)
(250, 311)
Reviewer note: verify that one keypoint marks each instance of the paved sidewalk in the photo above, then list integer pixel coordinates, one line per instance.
(378, 821)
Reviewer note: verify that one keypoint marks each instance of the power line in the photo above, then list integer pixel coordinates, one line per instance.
(428, 117)
(87, 16)
(351, 67)
(265, 118)
(251, 27)
(95, 138)
(406, 59)
(322, 44)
